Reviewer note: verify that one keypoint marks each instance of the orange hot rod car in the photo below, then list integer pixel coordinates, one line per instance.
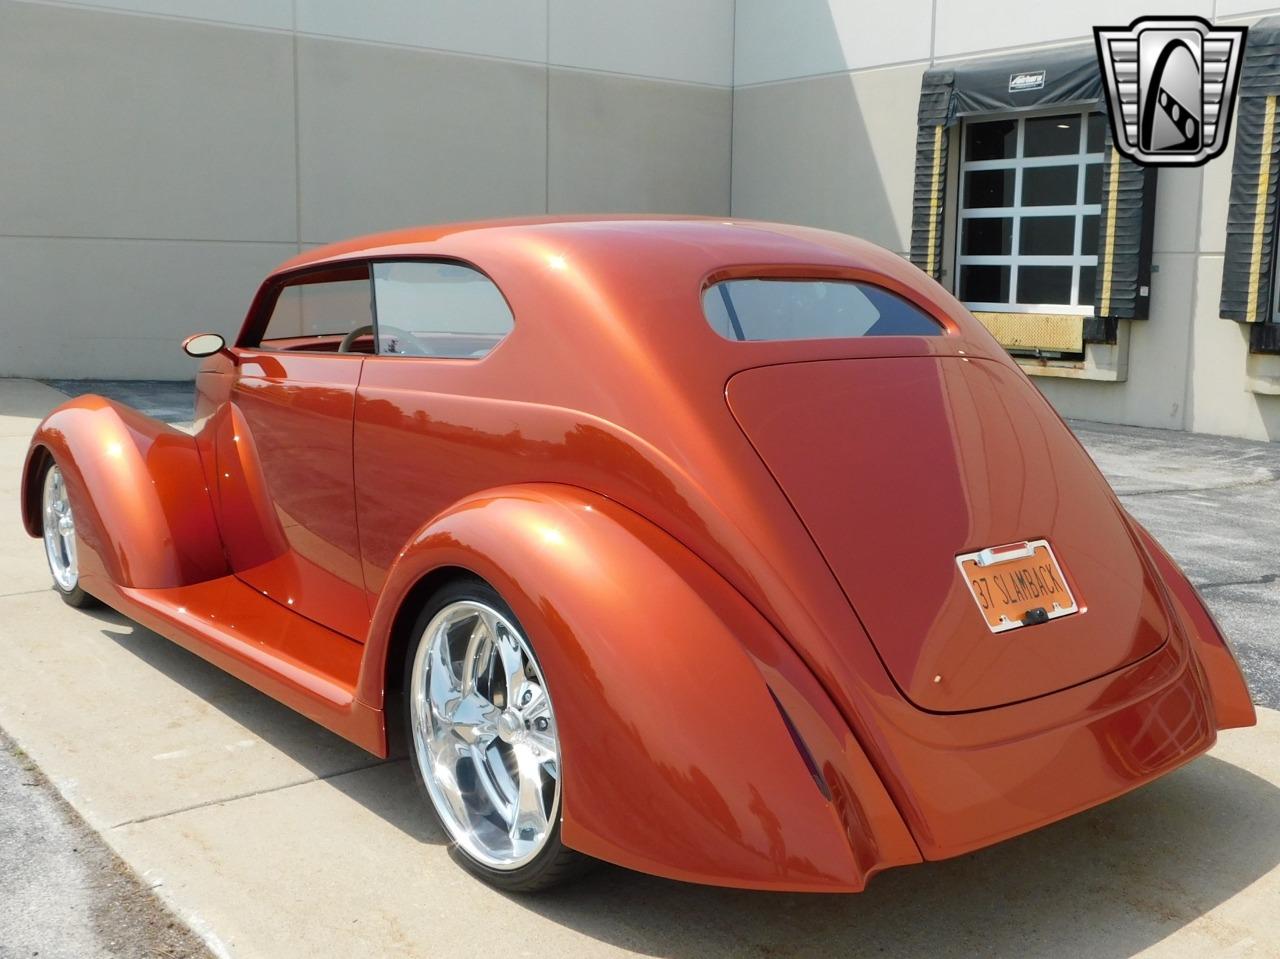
(732, 552)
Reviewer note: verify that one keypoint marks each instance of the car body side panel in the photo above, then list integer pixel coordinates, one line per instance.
(212, 390)
(285, 487)
(138, 491)
(675, 758)
(1232, 704)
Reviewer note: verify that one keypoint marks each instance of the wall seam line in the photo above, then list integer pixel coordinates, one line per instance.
(933, 33)
(733, 95)
(1188, 385)
(288, 241)
(297, 138)
(932, 60)
(853, 71)
(76, 5)
(155, 15)
(546, 135)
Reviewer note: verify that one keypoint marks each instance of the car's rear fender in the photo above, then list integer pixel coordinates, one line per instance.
(138, 492)
(1232, 705)
(669, 690)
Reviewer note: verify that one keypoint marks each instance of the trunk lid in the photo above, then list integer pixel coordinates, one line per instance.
(898, 465)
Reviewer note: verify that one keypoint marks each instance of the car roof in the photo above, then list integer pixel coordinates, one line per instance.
(603, 237)
(625, 292)
(574, 273)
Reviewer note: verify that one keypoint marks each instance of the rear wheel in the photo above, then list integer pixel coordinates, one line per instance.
(59, 528)
(483, 739)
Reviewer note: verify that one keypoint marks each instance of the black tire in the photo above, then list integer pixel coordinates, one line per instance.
(555, 864)
(76, 596)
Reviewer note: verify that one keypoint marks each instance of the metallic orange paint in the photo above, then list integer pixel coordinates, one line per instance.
(981, 461)
(685, 576)
(662, 676)
(285, 488)
(300, 663)
(138, 490)
(1232, 706)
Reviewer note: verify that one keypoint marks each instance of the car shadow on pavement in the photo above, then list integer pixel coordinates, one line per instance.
(1108, 882)
(392, 795)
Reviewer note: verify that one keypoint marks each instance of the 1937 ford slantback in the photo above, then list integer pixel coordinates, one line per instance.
(732, 552)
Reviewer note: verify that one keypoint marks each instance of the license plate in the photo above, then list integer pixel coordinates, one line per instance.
(1019, 584)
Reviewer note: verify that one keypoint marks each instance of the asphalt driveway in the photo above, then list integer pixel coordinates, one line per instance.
(63, 893)
(1215, 505)
(272, 838)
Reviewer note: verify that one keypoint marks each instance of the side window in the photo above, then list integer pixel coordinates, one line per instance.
(428, 308)
(327, 312)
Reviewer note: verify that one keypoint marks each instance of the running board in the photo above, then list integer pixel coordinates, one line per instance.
(309, 668)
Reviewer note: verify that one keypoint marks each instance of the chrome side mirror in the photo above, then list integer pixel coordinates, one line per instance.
(201, 345)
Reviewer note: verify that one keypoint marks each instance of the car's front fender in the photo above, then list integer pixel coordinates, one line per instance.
(667, 685)
(138, 492)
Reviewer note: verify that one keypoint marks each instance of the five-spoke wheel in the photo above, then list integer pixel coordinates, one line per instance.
(484, 739)
(60, 538)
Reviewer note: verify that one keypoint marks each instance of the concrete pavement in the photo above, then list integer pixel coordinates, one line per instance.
(272, 838)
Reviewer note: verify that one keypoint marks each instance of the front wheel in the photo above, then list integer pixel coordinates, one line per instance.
(59, 529)
(484, 742)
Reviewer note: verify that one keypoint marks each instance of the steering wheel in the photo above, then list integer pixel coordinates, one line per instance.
(404, 343)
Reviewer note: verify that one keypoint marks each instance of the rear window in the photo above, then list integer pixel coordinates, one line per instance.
(778, 309)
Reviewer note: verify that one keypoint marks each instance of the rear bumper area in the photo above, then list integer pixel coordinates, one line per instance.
(965, 781)
(970, 796)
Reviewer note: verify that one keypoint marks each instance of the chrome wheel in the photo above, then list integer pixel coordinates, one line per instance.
(59, 531)
(484, 735)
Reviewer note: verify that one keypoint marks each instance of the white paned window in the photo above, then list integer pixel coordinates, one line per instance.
(1030, 193)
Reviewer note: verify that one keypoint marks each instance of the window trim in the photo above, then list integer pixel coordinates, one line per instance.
(1081, 160)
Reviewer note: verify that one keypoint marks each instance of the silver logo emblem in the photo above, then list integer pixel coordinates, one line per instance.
(1171, 86)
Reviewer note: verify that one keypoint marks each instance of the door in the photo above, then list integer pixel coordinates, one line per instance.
(286, 492)
(424, 434)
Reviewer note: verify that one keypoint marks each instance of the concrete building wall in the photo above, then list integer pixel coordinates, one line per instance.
(825, 98)
(160, 156)
(830, 151)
